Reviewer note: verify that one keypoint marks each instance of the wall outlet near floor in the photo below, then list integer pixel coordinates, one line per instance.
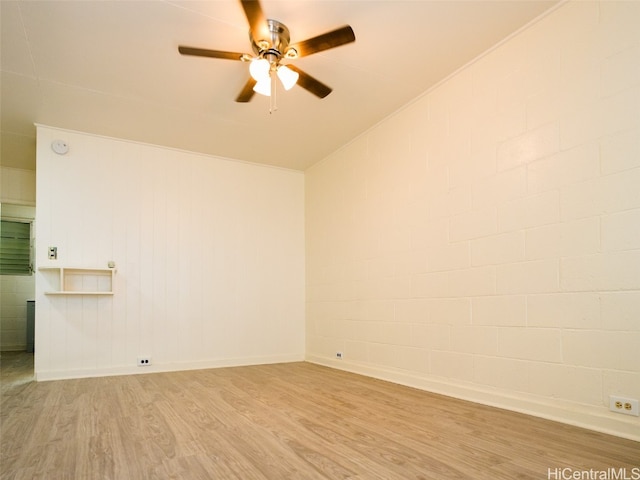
(627, 406)
(339, 355)
(144, 361)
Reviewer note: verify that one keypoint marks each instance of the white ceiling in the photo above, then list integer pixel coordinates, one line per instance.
(112, 68)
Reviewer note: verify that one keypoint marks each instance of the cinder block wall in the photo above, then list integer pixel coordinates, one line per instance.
(484, 242)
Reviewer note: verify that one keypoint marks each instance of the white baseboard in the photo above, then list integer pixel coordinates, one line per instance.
(585, 416)
(47, 375)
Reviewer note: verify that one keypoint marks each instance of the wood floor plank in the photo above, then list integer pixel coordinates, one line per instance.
(284, 421)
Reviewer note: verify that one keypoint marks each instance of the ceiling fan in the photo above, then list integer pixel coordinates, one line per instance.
(270, 43)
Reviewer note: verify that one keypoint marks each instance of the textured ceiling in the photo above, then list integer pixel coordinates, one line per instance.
(112, 68)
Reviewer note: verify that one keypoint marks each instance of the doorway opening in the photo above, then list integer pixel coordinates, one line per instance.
(17, 292)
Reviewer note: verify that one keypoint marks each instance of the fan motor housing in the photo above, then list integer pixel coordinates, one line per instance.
(277, 42)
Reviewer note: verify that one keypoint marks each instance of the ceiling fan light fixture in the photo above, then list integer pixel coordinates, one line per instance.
(259, 69)
(287, 76)
(263, 86)
(291, 53)
(270, 42)
(263, 44)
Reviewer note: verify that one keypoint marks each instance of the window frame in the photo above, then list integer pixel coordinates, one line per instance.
(25, 267)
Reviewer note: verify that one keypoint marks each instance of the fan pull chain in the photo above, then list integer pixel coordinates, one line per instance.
(273, 104)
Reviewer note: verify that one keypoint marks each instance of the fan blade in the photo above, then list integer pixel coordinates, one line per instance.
(256, 18)
(247, 91)
(202, 52)
(328, 40)
(309, 83)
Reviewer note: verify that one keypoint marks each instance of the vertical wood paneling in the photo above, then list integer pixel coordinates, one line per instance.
(104, 333)
(158, 177)
(73, 322)
(199, 200)
(184, 252)
(56, 343)
(146, 253)
(172, 258)
(123, 186)
(90, 340)
(200, 268)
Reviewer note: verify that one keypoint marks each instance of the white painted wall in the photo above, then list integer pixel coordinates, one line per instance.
(209, 255)
(17, 186)
(484, 242)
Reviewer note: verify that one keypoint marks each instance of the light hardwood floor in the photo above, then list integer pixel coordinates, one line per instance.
(297, 420)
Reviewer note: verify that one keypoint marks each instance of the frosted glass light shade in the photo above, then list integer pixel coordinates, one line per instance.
(263, 87)
(287, 76)
(259, 69)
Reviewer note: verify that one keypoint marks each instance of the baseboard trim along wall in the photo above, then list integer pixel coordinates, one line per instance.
(45, 375)
(584, 416)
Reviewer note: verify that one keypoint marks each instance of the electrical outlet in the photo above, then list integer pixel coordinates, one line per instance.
(339, 355)
(626, 406)
(144, 361)
(53, 253)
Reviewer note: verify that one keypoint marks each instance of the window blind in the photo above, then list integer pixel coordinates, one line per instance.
(15, 248)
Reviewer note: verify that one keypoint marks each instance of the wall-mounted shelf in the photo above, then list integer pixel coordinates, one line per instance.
(80, 280)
